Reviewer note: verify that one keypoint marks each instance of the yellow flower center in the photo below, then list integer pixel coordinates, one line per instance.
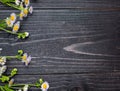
(1, 60)
(21, 15)
(24, 57)
(12, 17)
(44, 86)
(15, 28)
(25, 11)
(26, 2)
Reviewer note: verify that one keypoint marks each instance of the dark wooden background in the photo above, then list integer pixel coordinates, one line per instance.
(75, 44)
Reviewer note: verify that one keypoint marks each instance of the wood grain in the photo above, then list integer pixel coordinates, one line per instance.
(74, 44)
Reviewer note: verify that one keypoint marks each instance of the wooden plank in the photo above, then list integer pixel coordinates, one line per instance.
(85, 82)
(73, 43)
(86, 4)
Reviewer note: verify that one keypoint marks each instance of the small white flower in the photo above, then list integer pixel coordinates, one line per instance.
(21, 15)
(25, 88)
(2, 60)
(31, 9)
(13, 17)
(26, 34)
(3, 69)
(25, 11)
(26, 59)
(27, 2)
(11, 82)
(17, 2)
(45, 86)
(9, 22)
(16, 26)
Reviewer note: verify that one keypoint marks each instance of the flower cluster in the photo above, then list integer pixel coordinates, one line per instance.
(11, 85)
(12, 23)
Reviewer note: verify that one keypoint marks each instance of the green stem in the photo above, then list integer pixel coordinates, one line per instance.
(14, 6)
(13, 57)
(19, 85)
(8, 57)
(15, 87)
(8, 31)
(1, 88)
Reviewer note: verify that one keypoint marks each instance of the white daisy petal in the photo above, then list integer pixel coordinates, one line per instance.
(25, 88)
(17, 2)
(26, 34)
(3, 69)
(28, 60)
(2, 60)
(31, 9)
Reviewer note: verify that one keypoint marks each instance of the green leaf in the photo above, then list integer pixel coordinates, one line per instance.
(1, 88)
(4, 78)
(20, 52)
(37, 84)
(6, 87)
(13, 72)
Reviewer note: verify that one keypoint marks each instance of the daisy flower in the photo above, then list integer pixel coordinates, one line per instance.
(2, 60)
(9, 22)
(21, 15)
(25, 11)
(27, 2)
(45, 86)
(25, 88)
(26, 59)
(16, 27)
(13, 17)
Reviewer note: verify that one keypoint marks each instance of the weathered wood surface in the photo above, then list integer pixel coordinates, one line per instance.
(74, 43)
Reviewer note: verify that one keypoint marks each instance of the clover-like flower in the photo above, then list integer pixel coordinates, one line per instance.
(2, 60)
(25, 88)
(45, 86)
(26, 34)
(16, 26)
(26, 59)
